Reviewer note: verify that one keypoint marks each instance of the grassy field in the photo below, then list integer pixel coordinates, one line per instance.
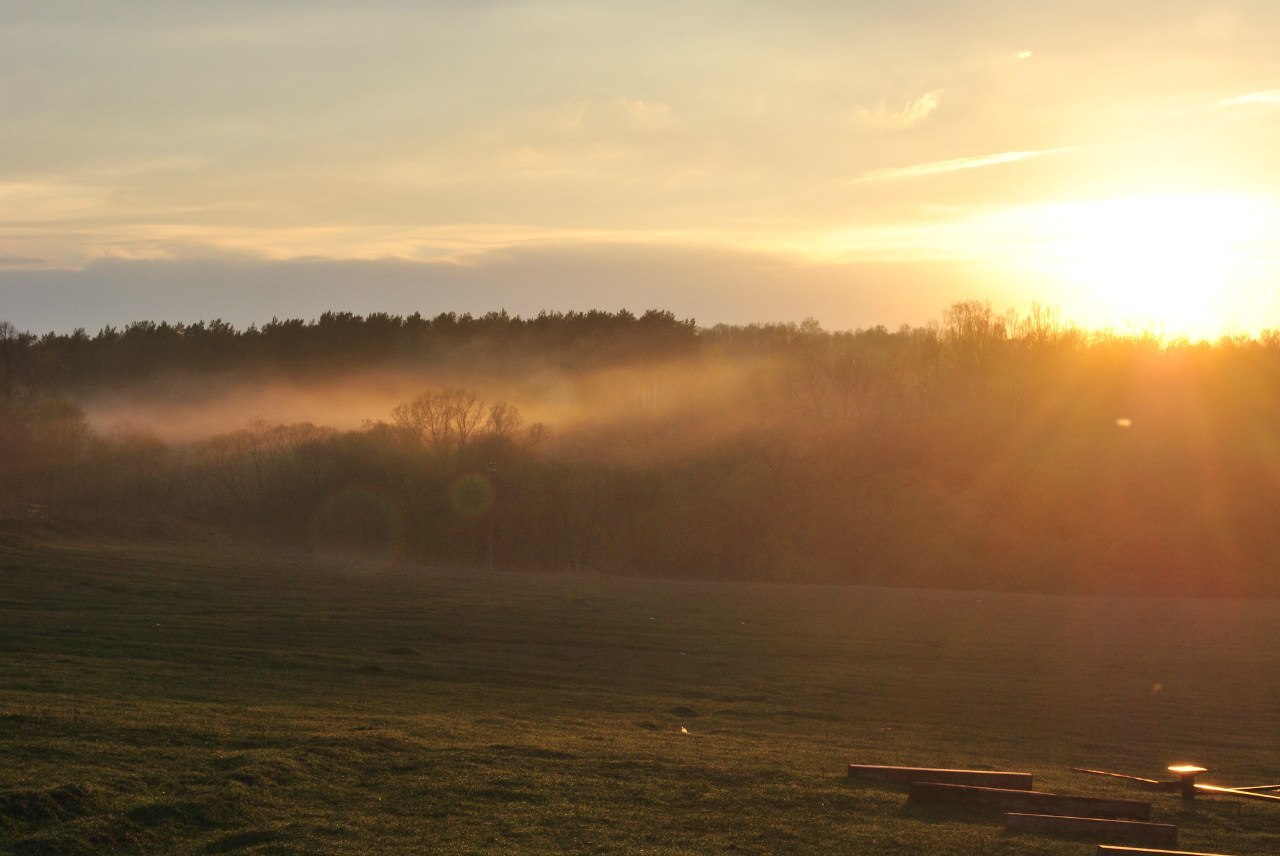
(218, 700)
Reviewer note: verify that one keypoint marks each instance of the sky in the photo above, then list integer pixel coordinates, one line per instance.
(859, 163)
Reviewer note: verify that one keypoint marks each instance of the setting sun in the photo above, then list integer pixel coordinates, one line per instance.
(1178, 265)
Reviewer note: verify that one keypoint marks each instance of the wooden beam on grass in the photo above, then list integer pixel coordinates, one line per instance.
(1237, 792)
(1035, 802)
(1258, 788)
(1116, 850)
(1154, 784)
(908, 775)
(1094, 829)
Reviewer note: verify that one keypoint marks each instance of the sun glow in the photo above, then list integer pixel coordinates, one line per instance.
(1190, 266)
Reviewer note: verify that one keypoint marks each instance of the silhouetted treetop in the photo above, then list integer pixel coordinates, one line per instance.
(340, 340)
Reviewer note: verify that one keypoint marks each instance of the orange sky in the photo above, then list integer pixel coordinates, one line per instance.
(861, 163)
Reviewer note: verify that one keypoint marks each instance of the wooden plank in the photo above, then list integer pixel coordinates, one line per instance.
(1154, 784)
(1116, 850)
(1236, 792)
(1094, 829)
(1035, 802)
(907, 775)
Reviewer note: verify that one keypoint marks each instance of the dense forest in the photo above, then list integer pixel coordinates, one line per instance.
(989, 450)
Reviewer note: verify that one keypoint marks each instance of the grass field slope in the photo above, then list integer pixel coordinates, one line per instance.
(211, 699)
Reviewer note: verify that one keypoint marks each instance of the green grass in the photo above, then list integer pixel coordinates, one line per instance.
(217, 700)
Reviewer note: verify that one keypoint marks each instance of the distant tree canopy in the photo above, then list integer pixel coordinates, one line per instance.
(336, 341)
(988, 450)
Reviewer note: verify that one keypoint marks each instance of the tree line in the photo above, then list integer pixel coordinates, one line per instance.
(336, 341)
(988, 450)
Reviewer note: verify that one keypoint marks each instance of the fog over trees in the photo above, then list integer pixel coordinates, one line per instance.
(989, 450)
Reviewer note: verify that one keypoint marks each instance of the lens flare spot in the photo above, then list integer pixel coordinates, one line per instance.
(471, 496)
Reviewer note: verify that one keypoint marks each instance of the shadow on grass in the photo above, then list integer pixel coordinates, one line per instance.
(198, 814)
(241, 841)
(89, 835)
(54, 805)
(952, 814)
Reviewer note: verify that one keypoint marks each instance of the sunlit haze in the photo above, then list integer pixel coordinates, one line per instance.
(859, 163)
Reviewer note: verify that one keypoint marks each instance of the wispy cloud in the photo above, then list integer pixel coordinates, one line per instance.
(1267, 98)
(952, 165)
(910, 115)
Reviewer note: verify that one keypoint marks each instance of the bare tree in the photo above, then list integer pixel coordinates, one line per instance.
(11, 344)
(972, 333)
(465, 412)
(442, 420)
(422, 420)
(504, 420)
